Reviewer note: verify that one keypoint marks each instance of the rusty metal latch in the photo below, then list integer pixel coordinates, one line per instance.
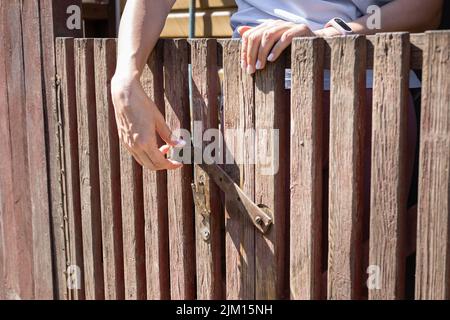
(236, 198)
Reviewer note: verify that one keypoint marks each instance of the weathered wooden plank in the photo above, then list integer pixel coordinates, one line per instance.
(271, 172)
(345, 165)
(388, 184)
(132, 227)
(306, 152)
(433, 234)
(67, 101)
(109, 170)
(37, 164)
(239, 125)
(155, 194)
(8, 272)
(180, 202)
(416, 41)
(89, 175)
(19, 218)
(208, 216)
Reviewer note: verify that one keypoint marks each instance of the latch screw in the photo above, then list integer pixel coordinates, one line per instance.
(258, 220)
(205, 235)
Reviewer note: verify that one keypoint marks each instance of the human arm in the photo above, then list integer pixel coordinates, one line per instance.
(267, 41)
(138, 118)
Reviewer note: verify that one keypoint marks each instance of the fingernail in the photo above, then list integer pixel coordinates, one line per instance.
(258, 65)
(270, 57)
(180, 143)
(250, 69)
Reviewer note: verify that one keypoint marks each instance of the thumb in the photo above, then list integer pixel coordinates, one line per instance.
(166, 134)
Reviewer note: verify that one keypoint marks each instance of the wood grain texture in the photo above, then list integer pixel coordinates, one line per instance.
(37, 161)
(155, 194)
(239, 125)
(306, 140)
(5, 168)
(271, 172)
(51, 21)
(345, 165)
(67, 101)
(180, 202)
(8, 272)
(89, 175)
(19, 218)
(388, 182)
(132, 227)
(433, 224)
(417, 45)
(109, 170)
(205, 114)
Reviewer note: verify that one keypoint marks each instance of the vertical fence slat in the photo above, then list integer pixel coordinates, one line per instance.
(388, 189)
(306, 140)
(89, 176)
(271, 124)
(345, 163)
(239, 125)
(38, 182)
(109, 170)
(433, 238)
(132, 226)
(180, 201)
(19, 218)
(155, 194)
(205, 116)
(65, 65)
(7, 274)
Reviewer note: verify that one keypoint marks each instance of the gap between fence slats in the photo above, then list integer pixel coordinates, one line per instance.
(209, 216)
(155, 194)
(89, 175)
(180, 201)
(132, 226)
(65, 66)
(109, 170)
(239, 125)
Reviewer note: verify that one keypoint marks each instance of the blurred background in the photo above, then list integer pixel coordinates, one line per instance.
(212, 18)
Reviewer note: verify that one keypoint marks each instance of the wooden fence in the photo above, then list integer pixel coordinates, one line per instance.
(79, 219)
(137, 234)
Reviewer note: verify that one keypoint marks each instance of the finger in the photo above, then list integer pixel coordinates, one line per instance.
(166, 134)
(253, 42)
(160, 162)
(269, 38)
(165, 149)
(242, 29)
(135, 155)
(244, 47)
(244, 51)
(146, 162)
(286, 40)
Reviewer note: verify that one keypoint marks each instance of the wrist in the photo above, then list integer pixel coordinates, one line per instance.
(124, 75)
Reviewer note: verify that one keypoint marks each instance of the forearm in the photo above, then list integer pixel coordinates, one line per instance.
(404, 15)
(399, 15)
(140, 28)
